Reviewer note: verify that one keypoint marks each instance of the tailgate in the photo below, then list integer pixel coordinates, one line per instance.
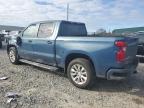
(131, 51)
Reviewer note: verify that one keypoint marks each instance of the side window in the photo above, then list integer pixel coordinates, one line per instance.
(46, 30)
(31, 31)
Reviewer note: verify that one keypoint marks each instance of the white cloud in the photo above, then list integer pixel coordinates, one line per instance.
(95, 13)
(19, 12)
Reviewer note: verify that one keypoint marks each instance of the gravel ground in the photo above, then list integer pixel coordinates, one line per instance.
(42, 89)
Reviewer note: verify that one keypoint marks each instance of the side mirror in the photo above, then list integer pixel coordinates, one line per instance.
(18, 41)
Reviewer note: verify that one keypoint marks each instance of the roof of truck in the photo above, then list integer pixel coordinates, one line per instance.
(56, 21)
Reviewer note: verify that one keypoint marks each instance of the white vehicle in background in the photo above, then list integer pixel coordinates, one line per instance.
(9, 34)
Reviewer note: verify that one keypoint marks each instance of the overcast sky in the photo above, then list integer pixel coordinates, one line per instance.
(107, 14)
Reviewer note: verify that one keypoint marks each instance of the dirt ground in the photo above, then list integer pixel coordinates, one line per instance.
(42, 89)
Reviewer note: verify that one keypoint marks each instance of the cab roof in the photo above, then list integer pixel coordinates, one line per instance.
(58, 21)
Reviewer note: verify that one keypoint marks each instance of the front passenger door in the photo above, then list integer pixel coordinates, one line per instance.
(29, 34)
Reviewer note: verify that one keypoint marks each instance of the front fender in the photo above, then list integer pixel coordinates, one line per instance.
(11, 43)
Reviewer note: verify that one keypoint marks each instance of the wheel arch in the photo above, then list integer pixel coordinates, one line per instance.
(73, 56)
(8, 46)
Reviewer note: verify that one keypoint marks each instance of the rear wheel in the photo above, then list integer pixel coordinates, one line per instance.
(81, 73)
(13, 55)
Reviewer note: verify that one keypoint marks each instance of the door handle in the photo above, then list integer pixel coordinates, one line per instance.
(49, 42)
(30, 41)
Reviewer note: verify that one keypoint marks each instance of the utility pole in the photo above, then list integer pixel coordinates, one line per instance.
(67, 11)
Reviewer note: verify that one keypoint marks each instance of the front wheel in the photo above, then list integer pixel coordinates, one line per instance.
(81, 73)
(13, 55)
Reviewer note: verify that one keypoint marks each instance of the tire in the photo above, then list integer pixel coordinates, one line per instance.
(13, 55)
(81, 73)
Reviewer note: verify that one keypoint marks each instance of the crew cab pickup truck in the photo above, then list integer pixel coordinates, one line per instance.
(65, 46)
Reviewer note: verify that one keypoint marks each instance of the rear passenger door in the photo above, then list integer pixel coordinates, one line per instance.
(44, 44)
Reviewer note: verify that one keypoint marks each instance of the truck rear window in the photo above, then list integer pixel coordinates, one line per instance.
(72, 29)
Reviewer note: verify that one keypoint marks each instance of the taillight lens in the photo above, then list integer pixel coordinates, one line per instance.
(121, 53)
(120, 44)
(120, 56)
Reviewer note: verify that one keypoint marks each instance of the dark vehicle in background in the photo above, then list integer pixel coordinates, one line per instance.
(140, 52)
(0, 42)
(1, 39)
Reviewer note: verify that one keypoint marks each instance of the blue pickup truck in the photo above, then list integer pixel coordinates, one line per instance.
(65, 46)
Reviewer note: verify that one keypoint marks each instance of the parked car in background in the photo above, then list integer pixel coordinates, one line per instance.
(0, 42)
(1, 39)
(65, 45)
(140, 35)
(10, 34)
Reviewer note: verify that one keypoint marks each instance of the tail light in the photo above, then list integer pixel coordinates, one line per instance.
(121, 53)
